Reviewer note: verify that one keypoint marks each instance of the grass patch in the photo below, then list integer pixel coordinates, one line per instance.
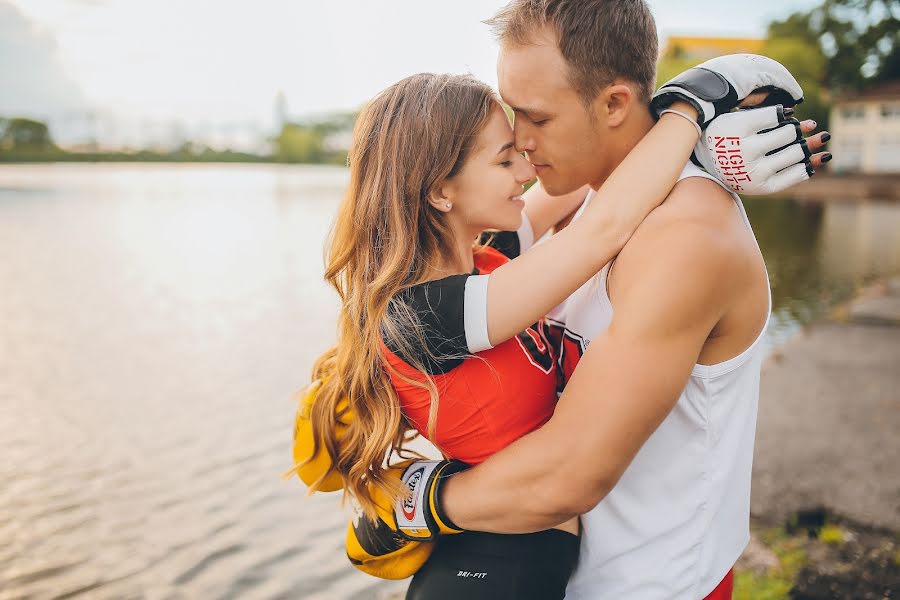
(777, 583)
(832, 534)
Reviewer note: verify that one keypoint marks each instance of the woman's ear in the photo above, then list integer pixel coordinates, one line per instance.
(441, 197)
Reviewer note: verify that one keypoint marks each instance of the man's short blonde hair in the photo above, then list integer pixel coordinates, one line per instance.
(601, 40)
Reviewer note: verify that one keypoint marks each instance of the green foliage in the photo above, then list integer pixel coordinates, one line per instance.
(299, 144)
(25, 135)
(832, 534)
(309, 142)
(25, 140)
(806, 61)
(860, 40)
(671, 65)
(775, 585)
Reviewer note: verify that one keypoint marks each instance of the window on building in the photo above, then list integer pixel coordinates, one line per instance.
(887, 154)
(848, 151)
(890, 111)
(853, 112)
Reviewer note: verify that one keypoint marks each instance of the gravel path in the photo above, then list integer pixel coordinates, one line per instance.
(829, 417)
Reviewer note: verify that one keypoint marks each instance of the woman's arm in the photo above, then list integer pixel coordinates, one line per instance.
(525, 289)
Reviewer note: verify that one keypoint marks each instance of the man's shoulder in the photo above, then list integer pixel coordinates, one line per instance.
(694, 200)
(696, 235)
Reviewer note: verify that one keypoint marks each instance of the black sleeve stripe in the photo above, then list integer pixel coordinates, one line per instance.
(439, 306)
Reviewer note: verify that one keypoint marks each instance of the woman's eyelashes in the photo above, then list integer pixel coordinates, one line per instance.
(506, 163)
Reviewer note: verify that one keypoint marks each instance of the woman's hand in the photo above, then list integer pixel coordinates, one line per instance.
(814, 142)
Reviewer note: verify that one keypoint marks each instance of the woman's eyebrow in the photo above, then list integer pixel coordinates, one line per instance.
(505, 147)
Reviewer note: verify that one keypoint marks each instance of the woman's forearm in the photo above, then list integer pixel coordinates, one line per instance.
(527, 288)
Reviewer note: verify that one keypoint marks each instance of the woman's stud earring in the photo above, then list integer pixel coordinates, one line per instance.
(449, 205)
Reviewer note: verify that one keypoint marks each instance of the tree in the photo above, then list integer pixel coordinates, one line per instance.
(859, 39)
(297, 143)
(807, 63)
(25, 135)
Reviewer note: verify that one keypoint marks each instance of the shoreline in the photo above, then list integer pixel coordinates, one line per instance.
(828, 187)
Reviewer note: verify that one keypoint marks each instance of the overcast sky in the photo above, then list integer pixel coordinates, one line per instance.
(226, 61)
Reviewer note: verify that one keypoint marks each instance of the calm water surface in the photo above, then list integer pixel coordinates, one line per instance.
(154, 322)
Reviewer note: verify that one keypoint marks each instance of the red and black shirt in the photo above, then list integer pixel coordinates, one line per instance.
(488, 396)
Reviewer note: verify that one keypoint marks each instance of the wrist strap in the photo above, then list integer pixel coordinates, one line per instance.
(683, 116)
(411, 511)
(418, 514)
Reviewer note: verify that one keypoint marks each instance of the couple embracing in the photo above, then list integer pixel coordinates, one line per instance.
(593, 395)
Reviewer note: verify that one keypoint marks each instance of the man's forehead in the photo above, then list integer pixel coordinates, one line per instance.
(532, 76)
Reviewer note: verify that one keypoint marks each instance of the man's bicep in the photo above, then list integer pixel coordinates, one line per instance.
(632, 374)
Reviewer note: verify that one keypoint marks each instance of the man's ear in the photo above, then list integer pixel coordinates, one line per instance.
(441, 196)
(615, 102)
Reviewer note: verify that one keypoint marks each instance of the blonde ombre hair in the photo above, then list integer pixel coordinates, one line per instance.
(387, 238)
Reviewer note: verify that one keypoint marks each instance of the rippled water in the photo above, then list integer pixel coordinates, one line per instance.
(154, 322)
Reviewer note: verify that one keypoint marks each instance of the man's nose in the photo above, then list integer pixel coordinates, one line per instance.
(523, 139)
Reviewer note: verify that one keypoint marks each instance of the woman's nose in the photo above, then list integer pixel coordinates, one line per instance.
(525, 172)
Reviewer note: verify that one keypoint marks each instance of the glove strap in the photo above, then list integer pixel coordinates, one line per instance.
(420, 516)
(709, 92)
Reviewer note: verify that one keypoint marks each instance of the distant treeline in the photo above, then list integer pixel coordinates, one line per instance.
(321, 141)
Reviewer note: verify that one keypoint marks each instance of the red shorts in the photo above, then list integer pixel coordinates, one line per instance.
(724, 589)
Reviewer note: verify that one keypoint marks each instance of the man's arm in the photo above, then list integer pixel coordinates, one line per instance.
(675, 279)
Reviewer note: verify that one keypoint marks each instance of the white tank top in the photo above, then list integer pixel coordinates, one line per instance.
(678, 519)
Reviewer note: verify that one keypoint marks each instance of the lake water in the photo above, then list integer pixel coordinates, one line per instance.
(154, 323)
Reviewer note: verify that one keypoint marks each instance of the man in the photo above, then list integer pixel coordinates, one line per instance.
(652, 439)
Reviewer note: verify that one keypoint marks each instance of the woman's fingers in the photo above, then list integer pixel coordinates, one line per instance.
(815, 143)
(817, 160)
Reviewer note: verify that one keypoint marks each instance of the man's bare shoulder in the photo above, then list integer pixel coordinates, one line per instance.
(696, 236)
(695, 200)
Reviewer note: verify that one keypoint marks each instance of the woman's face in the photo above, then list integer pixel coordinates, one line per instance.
(486, 193)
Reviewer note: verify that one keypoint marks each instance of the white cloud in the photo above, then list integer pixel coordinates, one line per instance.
(208, 60)
(34, 82)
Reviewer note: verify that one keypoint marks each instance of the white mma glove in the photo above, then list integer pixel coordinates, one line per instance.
(721, 84)
(755, 151)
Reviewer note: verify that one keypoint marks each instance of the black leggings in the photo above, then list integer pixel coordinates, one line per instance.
(473, 566)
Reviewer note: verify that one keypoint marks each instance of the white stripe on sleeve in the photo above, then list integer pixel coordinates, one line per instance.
(475, 313)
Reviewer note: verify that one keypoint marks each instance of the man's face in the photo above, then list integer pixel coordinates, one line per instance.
(552, 124)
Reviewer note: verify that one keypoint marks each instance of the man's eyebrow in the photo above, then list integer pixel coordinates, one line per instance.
(505, 147)
(529, 112)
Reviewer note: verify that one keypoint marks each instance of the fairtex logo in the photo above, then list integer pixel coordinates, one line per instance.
(412, 484)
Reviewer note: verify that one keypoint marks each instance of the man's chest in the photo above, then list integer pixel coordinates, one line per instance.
(582, 317)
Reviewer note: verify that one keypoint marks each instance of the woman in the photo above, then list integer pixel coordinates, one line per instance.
(433, 166)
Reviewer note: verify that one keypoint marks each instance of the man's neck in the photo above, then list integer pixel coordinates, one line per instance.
(630, 133)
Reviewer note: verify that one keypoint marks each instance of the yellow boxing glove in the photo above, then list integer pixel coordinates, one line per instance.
(378, 549)
(321, 463)
(403, 536)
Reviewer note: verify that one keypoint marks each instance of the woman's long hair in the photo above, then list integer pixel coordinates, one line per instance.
(387, 237)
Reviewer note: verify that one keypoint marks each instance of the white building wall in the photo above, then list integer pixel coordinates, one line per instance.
(866, 136)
